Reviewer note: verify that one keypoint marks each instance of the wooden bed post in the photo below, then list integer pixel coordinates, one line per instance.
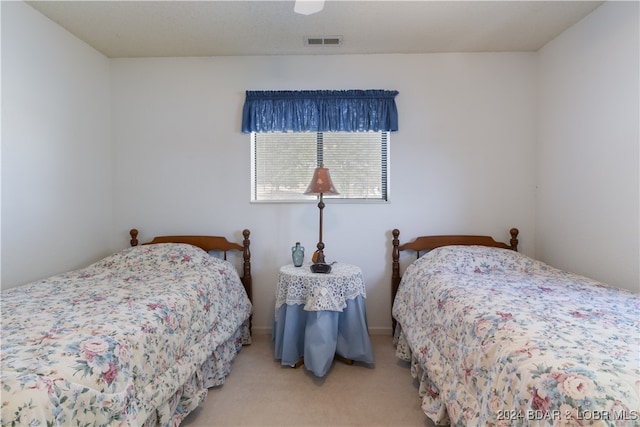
(514, 238)
(246, 270)
(134, 237)
(395, 273)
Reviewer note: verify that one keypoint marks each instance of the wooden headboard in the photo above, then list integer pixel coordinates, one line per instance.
(427, 243)
(211, 243)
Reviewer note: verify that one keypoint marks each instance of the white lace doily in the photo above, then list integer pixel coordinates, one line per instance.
(317, 291)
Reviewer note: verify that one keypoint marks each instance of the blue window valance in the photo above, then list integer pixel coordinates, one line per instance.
(320, 111)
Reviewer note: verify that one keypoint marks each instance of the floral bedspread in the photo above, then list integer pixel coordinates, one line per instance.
(498, 339)
(133, 339)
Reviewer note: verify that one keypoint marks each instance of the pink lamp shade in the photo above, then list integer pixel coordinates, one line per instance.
(321, 182)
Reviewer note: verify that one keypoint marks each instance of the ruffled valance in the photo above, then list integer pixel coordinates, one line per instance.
(320, 111)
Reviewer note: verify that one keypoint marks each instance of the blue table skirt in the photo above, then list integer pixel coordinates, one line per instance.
(319, 335)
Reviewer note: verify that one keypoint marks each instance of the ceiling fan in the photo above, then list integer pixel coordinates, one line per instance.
(308, 7)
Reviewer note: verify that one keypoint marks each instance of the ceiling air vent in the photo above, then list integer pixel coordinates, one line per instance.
(323, 41)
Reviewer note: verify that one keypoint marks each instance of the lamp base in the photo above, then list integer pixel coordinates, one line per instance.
(320, 268)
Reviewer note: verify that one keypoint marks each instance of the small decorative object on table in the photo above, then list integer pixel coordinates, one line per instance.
(297, 253)
(320, 267)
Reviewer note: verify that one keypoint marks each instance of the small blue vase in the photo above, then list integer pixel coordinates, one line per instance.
(297, 253)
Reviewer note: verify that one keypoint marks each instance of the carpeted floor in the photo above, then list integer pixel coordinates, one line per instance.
(261, 392)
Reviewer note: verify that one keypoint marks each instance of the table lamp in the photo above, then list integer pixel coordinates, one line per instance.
(321, 184)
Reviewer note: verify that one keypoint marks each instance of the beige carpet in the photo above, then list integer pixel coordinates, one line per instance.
(261, 392)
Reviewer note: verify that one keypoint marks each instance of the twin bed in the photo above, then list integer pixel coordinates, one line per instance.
(495, 338)
(136, 338)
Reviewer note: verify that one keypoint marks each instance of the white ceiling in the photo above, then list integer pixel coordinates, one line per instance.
(240, 27)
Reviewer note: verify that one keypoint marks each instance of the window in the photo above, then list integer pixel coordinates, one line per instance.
(293, 132)
(283, 164)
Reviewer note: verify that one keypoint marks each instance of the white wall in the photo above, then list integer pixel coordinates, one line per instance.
(56, 166)
(588, 217)
(462, 161)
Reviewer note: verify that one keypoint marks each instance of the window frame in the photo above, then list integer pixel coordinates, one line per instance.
(385, 153)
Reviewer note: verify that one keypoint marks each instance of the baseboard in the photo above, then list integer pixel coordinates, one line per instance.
(380, 330)
(261, 330)
(266, 330)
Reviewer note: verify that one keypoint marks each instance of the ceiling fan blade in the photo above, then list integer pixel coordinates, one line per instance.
(308, 7)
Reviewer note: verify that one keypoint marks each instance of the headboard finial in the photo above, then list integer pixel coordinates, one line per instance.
(514, 238)
(134, 237)
(395, 272)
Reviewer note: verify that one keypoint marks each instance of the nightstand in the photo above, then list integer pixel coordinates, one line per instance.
(321, 316)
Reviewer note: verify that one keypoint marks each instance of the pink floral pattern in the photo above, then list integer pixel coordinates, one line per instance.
(133, 339)
(496, 338)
